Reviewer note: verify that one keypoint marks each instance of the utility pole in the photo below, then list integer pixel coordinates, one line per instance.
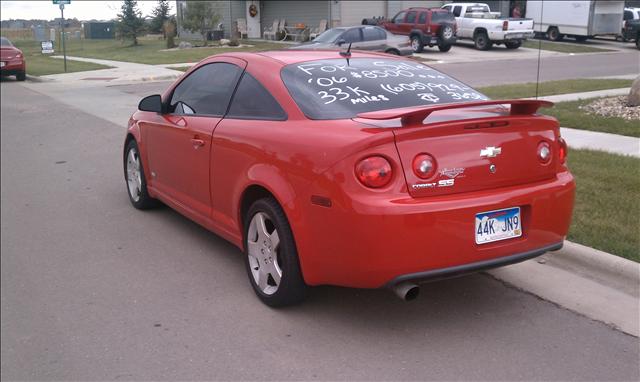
(64, 49)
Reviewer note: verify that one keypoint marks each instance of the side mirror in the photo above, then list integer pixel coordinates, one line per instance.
(340, 41)
(151, 103)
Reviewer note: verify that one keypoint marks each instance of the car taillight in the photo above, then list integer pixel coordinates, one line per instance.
(374, 171)
(544, 152)
(424, 166)
(505, 25)
(562, 150)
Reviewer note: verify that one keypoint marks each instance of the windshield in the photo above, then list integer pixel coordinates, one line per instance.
(5, 42)
(329, 36)
(338, 89)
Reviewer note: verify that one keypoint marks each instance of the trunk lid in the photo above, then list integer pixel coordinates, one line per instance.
(478, 149)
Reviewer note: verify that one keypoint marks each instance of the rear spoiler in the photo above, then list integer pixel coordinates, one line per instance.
(413, 116)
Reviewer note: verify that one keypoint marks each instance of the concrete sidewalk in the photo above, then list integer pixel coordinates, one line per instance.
(120, 72)
(595, 140)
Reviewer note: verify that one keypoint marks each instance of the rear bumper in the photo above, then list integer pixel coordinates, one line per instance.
(435, 40)
(372, 242)
(12, 67)
(461, 270)
(511, 35)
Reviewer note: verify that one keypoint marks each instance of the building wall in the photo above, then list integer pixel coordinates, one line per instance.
(307, 12)
(352, 12)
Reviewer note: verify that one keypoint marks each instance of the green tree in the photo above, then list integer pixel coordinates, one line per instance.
(160, 15)
(199, 16)
(130, 22)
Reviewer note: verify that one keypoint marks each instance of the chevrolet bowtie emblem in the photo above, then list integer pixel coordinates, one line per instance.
(490, 152)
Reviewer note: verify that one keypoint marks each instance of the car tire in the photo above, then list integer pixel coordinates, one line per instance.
(135, 179)
(513, 44)
(638, 41)
(481, 41)
(416, 44)
(21, 76)
(553, 34)
(581, 38)
(273, 267)
(444, 48)
(392, 51)
(446, 34)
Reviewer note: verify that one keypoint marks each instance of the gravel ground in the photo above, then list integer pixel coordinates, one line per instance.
(613, 107)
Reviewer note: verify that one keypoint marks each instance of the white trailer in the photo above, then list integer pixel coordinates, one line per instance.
(578, 19)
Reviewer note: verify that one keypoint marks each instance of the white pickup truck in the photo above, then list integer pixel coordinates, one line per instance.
(476, 21)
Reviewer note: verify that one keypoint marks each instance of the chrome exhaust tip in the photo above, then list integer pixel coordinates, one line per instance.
(406, 291)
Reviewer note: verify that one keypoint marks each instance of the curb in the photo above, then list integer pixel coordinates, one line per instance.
(35, 78)
(598, 261)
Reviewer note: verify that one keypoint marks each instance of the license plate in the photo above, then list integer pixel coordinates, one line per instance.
(2, 63)
(498, 225)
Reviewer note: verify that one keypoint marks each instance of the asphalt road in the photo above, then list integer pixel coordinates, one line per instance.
(92, 289)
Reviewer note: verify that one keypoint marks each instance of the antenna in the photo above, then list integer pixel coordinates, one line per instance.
(347, 54)
(539, 47)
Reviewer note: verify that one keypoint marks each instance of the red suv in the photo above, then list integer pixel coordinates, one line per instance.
(425, 26)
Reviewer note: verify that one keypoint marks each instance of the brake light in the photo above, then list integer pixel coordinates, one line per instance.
(563, 150)
(544, 152)
(374, 171)
(505, 25)
(424, 166)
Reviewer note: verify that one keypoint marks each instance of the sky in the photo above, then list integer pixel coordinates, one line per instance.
(80, 9)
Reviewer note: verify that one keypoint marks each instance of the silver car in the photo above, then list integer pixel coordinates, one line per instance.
(365, 37)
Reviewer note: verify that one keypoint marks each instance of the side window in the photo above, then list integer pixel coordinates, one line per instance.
(422, 19)
(628, 15)
(206, 91)
(373, 34)
(352, 35)
(399, 19)
(253, 101)
(457, 10)
(411, 17)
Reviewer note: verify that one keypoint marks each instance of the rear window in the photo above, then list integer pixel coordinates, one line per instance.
(5, 42)
(439, 17)
(338, 89)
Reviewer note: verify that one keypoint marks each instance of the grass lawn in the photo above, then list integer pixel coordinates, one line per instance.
(552, 88)
(607, 202)
(39, 64)
(562, 47)
(146, 52)
(570, 115)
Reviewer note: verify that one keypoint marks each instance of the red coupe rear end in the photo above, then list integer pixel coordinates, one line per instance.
(358, 170)
(11, 60)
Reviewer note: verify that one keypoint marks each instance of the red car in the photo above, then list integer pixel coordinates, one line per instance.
(425, 26)
(355, 169)
(11, 60)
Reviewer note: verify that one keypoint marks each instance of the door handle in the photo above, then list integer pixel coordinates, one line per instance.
(197, 143)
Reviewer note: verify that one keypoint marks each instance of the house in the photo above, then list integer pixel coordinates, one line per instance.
(337, 12)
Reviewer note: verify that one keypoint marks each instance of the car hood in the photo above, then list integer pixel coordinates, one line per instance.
(7, 53)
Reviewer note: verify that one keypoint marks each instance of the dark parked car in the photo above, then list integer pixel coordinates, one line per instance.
(631, 31)
(366, 37)
(425, 26)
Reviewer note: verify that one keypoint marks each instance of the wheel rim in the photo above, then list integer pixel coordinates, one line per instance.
(447, 33)
(134, 176)
(414, 44)
(263, 247)
(481, 41)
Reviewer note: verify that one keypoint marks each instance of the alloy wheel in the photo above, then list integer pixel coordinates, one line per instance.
(134, 175)
(263, 246)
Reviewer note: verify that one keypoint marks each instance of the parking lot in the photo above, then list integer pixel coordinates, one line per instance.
(93, 289)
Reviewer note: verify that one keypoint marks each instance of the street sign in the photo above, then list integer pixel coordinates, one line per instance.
(62, 1)
(47, 47)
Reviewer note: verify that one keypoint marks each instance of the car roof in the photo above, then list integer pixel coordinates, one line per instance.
(287, 57)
